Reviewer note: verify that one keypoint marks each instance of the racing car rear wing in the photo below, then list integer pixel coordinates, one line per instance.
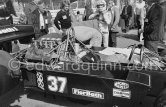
(12, 32)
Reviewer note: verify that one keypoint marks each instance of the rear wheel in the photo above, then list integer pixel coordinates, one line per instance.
(6, 81)
(161, 100)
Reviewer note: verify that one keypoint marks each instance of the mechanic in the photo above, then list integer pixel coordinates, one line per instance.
(104, 18)
(152, 26)
(84, 33)
(65, 16)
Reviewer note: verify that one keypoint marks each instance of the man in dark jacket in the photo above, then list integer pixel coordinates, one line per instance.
(163, 23)
(127, 14)
(35, 12)
(63, 16)
(152, 34)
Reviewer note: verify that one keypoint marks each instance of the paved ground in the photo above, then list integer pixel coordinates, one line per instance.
(28, 98)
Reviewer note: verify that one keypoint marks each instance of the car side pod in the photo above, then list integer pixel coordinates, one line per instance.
(85, 84)
(7, 82)
(132, 90)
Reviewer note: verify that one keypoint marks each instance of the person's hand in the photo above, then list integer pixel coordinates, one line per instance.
(113, 27)
(89, 46)
(146, 20)
(93, 15)
(140, 31)
(60, 31)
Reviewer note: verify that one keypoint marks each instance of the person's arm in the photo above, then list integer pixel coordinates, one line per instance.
(142, 17)
(123, 11)
(152, 23)
(72, 16)
(155, 21)
(130, 11)
(58, 16)
(108, 17)
(92, 16)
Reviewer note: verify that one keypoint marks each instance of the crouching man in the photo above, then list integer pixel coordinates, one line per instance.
(84, 33)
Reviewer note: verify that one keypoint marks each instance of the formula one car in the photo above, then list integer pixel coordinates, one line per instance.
(119, 76)
(71, 69)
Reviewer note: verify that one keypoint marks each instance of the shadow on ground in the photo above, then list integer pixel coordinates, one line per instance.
(60, 101)
(132, 34)
(12, 96)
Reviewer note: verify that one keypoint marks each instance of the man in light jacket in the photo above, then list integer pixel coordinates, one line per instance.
(113, 27)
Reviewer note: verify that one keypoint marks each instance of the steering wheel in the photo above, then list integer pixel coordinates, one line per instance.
(91, 58)
(132, 52)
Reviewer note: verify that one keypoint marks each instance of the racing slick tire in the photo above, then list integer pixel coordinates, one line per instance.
(161, 100)
(7, 82)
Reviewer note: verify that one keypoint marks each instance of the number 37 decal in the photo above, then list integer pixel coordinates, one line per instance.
(56, 83)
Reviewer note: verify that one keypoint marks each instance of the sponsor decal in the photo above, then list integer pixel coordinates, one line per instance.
(40, 79)
(121, 85)
(88, 93)
(8, 30)
(122, 93)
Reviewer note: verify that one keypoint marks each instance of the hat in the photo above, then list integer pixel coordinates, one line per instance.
(65, 3)
(100, 5)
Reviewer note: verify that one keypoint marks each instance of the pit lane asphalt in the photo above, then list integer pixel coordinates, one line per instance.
(19, 97)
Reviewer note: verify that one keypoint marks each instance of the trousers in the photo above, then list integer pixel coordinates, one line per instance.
(105, 39)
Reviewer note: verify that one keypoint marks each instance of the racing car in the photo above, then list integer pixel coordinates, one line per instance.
(68, 68)
(121, 77)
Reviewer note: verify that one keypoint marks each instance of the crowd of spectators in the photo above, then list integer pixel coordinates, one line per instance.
(147, 17)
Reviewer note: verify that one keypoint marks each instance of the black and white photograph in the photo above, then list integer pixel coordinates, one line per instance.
(82, 53)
